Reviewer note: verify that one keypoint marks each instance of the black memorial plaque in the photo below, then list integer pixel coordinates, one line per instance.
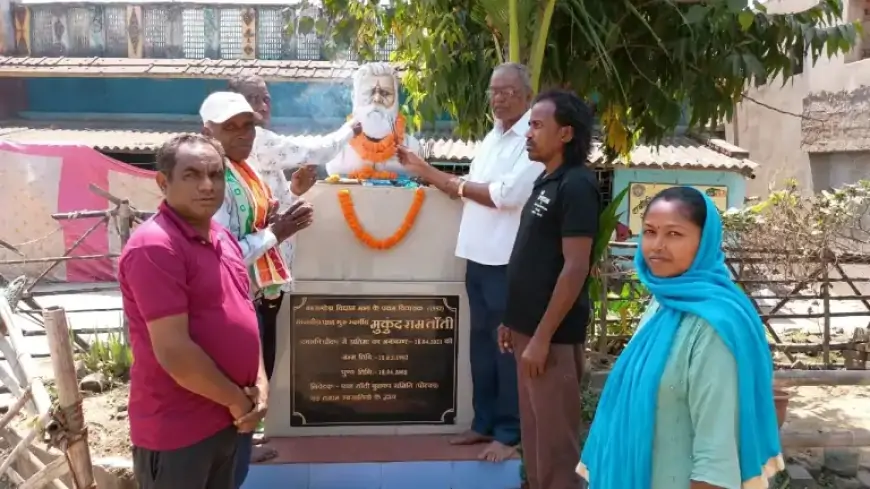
(368, 360)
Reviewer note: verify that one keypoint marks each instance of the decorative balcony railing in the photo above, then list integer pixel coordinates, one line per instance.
(157, 30)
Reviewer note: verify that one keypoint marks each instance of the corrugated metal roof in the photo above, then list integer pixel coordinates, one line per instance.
(309, 71)
(677, 152)
(110, 141)
(688, 152)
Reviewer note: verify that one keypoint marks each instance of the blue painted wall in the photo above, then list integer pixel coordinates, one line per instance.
(174, 96)
(296, 106)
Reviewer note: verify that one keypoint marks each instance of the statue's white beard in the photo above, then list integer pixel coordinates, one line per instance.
(377, 122)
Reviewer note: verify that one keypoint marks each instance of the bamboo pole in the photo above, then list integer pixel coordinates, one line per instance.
(25, 368)
(15, 477)
(25, 442)
(72, 247)
(71, 216)
(137, 214)
(826, 309)
(11, 357)
(602, 306)
(12, 385)
(125, 222)
(7, 418)
(35, 461)
(69, 397)
(856, 290)
(15, 408)
(55, 469)
(58, 259)
(770, 330)
(104, 194)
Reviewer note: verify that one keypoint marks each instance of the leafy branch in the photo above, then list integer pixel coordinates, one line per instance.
(642, 62)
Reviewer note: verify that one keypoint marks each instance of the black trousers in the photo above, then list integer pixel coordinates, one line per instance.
(267, 313)
(209, 464)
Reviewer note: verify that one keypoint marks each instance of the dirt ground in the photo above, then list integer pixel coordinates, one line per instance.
(829, 408)
(108, 427)
(106, 416)
(810, 409)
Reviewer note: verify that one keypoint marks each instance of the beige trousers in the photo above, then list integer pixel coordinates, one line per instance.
(550, 416)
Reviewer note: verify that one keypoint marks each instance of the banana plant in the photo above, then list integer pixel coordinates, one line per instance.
(607, 221)
(526, 41)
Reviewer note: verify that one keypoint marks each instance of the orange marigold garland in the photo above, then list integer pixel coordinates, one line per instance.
(369, 173)
(379, 151)
(367, 239)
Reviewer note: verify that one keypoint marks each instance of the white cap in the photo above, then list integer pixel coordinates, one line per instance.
(219, 107)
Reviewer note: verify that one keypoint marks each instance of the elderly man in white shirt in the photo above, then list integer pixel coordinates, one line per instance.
(272, 155)
(493, 193)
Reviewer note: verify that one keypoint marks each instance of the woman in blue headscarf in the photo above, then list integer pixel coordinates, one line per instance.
(689, 402)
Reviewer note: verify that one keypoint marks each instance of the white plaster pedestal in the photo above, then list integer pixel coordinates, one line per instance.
(330, 261)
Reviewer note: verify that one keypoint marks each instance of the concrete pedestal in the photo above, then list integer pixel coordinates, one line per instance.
(331, 263)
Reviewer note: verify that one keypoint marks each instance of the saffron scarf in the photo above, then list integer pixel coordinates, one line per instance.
(618, 451)
(251, 198)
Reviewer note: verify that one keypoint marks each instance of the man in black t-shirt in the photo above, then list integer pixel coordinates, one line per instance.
(548, 304)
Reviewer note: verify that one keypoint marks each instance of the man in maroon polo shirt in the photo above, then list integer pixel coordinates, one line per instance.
(197, 379)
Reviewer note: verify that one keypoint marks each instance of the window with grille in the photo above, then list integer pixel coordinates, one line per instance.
(270, 33)
(116, 31)
(193, 20)
(231, 33)
(308, 47)
(42, 31)
(605, 185)
(387, 49)
(156, 20)
(79, 27)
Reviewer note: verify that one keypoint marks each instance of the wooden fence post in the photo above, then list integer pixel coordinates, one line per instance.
(604, 267)
(72, 432)
(826, 308)
(125, 222)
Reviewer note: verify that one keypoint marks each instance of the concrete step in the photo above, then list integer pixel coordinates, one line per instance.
(380, 462)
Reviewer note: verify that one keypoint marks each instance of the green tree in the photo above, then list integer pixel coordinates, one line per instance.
(641, 61)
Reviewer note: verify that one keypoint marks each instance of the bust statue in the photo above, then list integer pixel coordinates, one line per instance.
(376, 107)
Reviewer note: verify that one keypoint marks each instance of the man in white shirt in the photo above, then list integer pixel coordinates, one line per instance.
(497, 186)
(272, 155)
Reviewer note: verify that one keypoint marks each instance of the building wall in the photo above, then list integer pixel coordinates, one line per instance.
(7, 31)
(303, 107)
(827, 109)
(831, 170)
(309, 104)
(13, 97)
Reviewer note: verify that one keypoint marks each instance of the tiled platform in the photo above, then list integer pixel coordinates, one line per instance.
(379, 462)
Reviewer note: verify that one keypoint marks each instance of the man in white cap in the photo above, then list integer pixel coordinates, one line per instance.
(274, 155)
(249, 212)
